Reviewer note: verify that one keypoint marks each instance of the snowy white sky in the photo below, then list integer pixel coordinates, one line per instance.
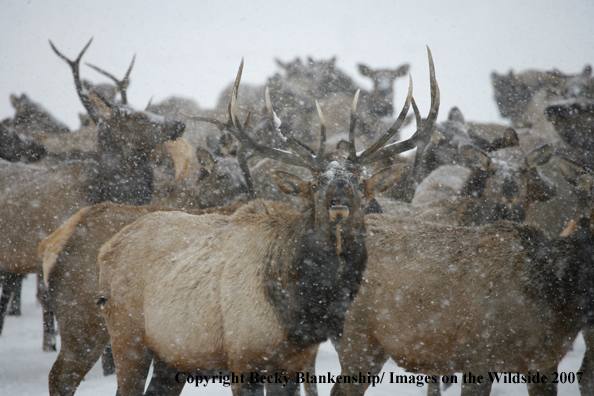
(192, 48)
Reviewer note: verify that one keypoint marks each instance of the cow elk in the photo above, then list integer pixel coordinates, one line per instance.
(264, 286)
(71, 274)
(441, 299)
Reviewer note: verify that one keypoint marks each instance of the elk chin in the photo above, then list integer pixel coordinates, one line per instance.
(338, 214)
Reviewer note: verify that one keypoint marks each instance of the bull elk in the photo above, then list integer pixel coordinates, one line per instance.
(35, 200)
(262, 287)
(499, 298)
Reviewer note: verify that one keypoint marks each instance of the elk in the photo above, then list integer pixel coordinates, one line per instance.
(15, 147)
(71, 274)
(33, 120)
(291, 274)
(35, 200)
(499, 298)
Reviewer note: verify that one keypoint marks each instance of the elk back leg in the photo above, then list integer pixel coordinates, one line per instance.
(79, 352)
(14, 308)
(49, 325)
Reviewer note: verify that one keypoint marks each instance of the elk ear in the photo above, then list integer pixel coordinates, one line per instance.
(539, 156)
(401, 71)
(456, 115)
(382, 181)
(290, 184)
(103, 108)
(205, 159)
(14, 100)
(364, 70)
(575, 175)
(475, 155)
(510, 138)
(479, 141)
(580, 177)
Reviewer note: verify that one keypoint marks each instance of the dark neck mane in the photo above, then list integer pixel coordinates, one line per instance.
(310, 286)
(119, 177)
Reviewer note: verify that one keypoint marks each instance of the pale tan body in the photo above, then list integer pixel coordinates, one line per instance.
(222, 316)
(71, 273)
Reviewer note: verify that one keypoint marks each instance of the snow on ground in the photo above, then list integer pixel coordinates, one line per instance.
(24, 367)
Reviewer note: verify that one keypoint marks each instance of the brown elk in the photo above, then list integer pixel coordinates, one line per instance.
(32, 120)
(15, 147)
(271, 282)
(500, 298)
(35, 200)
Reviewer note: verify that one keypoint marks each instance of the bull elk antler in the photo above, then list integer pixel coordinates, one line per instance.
(122, 84)
(82, 92)
(316, 162)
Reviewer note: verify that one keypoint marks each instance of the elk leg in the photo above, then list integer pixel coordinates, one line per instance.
(14, 308)
(311, 389)
(107, 362)
(544, 389)
(586, 385)
(248, 388)
(163, 381)
(290, 389)
(433, 389)
(348, 349)
(49, 325)
(7, 287)
(78, 354)
(476, 389)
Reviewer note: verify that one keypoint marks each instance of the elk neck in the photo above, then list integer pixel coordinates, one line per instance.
(309, 284)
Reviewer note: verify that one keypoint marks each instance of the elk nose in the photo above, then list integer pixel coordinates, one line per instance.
(509, 189)
(178, 130)
(339, 198)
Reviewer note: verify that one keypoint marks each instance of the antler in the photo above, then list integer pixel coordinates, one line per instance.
(420, 137)
(121, 84)
(75, 66)
(239, 131)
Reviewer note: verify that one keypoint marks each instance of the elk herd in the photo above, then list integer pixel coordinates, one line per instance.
(239, 238)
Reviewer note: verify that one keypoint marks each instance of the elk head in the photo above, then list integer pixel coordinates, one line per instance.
(382, 95)
(331, 251)
(338, 191)
(31, 117)
(126, 138)
(507, 180)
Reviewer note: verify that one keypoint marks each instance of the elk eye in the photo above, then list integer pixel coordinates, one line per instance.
(314, 187)
(139, 119)
(361, 187)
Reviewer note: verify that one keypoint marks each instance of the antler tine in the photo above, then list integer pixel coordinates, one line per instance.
(322, 147)
(121, 84)
(237, 130)
(293, 143)
(371, 150)
(423, 131)
(150, 102)
(352, 151)
(75, 66)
